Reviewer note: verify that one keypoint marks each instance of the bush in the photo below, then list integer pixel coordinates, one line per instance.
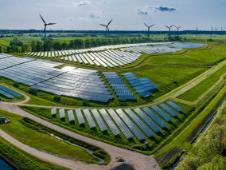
(56, 98)
(32, 91)
(16, 85)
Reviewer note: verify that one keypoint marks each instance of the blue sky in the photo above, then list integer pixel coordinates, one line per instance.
(126, 14)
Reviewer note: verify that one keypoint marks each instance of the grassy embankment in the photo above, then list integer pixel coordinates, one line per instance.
(27, 131)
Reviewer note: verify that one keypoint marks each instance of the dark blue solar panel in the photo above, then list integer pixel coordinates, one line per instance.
(119, 87)
(168, 109)
(143, 86)
(173, 105)
(154, 117)
(161, 113)
(10, 92)
(147, 120)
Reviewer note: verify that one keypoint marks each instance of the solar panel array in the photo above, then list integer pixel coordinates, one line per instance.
(106, 58)
(139, 123)
(8, 93)
(162, 48)
(143, 86)
(119, 87)
(42, 75)
(113, 55)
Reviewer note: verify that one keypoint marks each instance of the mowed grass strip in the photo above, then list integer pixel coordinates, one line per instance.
(202, 87)
(22, 160)
(42, 140)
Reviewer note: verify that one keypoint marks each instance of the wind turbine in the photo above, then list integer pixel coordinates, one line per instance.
(107, 25)
(46, 25)
(178, 27)
(149, 27)
(169, 27)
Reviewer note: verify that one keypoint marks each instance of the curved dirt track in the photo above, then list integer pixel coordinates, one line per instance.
(140, 161)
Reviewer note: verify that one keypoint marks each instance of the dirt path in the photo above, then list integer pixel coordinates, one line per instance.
(67, 163)
(140, 161)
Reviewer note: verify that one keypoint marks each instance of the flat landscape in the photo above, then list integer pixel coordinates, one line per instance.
(120, 98)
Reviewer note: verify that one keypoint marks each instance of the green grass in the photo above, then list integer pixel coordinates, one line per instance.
(21, 160)
(202, 87)
(43, 140)
(179, 138)
(207, 152)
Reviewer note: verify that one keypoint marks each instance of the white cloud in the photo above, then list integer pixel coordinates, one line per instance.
(82, 3)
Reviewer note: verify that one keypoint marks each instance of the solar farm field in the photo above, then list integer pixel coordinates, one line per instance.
(156, 106)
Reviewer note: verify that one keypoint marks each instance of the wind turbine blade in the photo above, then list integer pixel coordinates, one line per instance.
(43, 20)
(109, 22)
(103, 25)
(51, 23)
(146, 24)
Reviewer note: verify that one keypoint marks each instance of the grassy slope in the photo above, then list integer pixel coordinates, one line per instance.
(179, 140)
(202, 155)
(27, 135)
(21, 160)
(198, 90)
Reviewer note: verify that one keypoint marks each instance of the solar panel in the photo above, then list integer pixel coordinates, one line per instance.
(147, 120)
(99, 120)
(62, 113)
(120, 124)
(157, 120)
(9, 91)
(53, 111)
(71, 116)
(119, 87)
(161, 113)
(89, 118)
(168, 109)
(80, 117)
(130, 124)
(139, 122)
(173, 105)
(7, 95)
(143, 86)
(109, 122)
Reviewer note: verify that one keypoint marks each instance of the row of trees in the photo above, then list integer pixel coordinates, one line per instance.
(208, 153)
(18, 46)
(79, 43)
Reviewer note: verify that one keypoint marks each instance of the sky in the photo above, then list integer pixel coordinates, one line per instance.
(126, 14)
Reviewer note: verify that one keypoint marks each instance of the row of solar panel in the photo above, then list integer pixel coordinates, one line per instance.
(140, 123)
(119, 87)
(107, 58)
(41, 75)
(8, 93)
(143, 86)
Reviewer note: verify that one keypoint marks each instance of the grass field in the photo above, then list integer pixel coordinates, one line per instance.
(21, 160)
(179, 140)
(28, 133)
(202, 87)
(167, 71)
